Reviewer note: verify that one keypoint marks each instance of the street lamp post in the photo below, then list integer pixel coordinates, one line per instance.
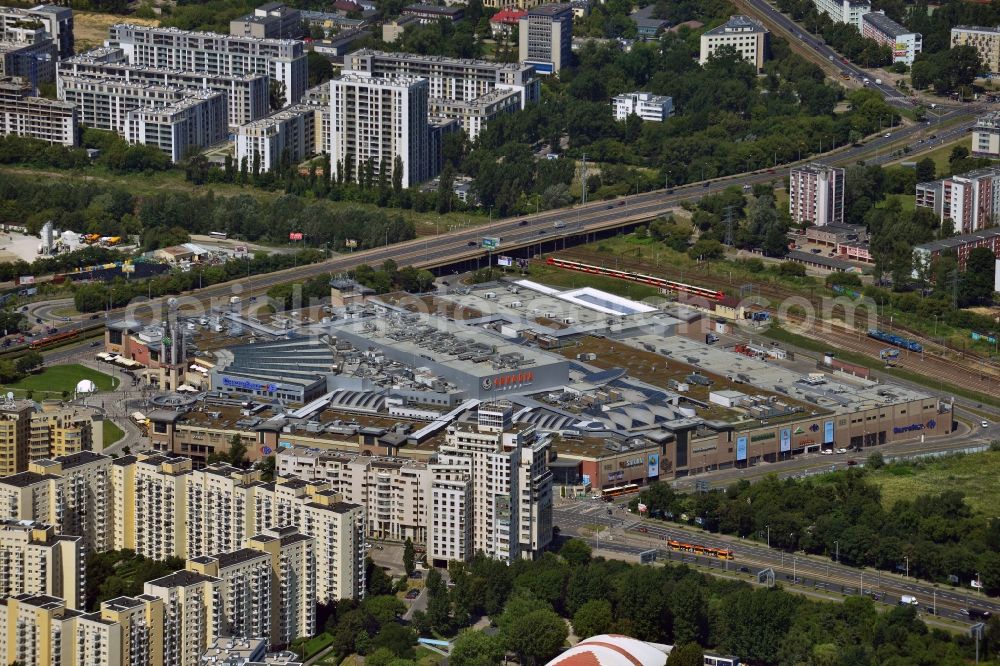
(907, 558)
(836, 557)
(768, 535)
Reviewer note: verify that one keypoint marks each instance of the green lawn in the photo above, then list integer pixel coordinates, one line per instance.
(940, 155)
(974, 475)
(907, 201)
(316, 644)
(53, 380)
(112, 433)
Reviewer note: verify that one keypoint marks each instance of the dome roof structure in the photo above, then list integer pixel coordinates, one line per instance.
(613, 650)
(85, 386)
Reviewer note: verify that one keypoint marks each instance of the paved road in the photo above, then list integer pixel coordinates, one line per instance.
(629, 534)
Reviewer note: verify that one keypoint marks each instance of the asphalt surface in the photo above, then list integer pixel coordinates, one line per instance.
(630, 535)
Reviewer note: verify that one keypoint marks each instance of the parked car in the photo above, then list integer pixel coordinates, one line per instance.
(841, 450)
(413, 594)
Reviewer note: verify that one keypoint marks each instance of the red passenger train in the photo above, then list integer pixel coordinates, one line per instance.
(641, 278)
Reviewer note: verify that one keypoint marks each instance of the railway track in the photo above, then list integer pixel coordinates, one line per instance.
(977, 374)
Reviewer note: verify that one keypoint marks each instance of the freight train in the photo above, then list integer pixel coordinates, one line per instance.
(894, 339)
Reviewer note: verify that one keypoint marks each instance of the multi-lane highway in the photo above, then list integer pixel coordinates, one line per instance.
(623, 532)
(539, 229)
(798, 35)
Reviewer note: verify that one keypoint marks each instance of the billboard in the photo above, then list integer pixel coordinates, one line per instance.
(295, 235)
(741, 448)
(828, 432)
(504, 261)
(653, 465)
(786, 440)
(351, 243)
(491, 242)
(26, 279)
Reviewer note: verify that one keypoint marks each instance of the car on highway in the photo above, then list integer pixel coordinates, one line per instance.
(745, 569)
(826, 452)
(888, 134)
(522, 223)
(472, 243)
(610, 206)
(644, 530)
(704, 184)
(621, 203)
(64, 319)
(841, 450)
(852, 463)
(95, 316)
(976, 614)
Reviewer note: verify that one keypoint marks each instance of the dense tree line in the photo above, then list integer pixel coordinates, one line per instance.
(96, 296)
(938, 533)
(167, 218)
(530, 603)
(390, 277)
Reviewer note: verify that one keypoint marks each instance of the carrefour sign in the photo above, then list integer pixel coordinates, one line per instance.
(248, 385)
(914, 427)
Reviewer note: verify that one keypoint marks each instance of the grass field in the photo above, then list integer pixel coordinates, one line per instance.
(52, 381)
(112, 433)
(973, 474)
(90, 29)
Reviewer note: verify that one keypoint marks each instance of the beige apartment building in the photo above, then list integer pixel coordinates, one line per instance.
(40, 629)
(268, 588)
(986, 40)
(163, 508)
(68, 492)
(192, 614)
(35, 559)
(27, 434)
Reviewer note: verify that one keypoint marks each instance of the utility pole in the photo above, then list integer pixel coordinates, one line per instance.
(729, 225)
(583, 180)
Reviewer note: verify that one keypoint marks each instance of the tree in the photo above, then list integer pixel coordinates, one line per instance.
(476, 648)
(396, 638)
(276, 94)
(320, 68)
(385, 607)
(535, 637)
(266, 465)
(237, 452)
(29, 362)
(689, 654)
(377, 579)
(926, 170)
(576, 552)
(593, 618)
(409, 554)
(976, 284)
(875, 460)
